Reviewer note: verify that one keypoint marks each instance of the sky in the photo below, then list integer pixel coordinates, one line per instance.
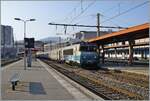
(82, 11)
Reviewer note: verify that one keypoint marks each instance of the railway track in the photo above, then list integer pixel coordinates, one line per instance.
(100, 84)
(8, 61)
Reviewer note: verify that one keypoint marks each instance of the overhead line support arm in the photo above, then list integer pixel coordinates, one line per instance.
(85, 25)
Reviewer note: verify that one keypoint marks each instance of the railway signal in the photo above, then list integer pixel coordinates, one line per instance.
(29, 42)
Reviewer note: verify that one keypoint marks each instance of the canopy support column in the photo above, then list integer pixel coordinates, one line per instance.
(103, 54)
(131, 42)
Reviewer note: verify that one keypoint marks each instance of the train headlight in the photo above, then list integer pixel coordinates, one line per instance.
(84, 57)
(95, 57)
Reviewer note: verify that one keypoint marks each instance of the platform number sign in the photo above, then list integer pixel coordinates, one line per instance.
(29, 42)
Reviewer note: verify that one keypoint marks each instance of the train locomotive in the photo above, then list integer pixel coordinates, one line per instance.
(85, 54)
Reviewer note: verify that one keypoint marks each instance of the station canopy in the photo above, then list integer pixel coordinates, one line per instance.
(132, 33)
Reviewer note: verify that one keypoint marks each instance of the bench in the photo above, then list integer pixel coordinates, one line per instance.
(14, 80)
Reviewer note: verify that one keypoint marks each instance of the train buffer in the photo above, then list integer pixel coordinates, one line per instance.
(14, 80)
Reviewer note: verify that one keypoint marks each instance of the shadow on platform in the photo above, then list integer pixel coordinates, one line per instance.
(36, 88)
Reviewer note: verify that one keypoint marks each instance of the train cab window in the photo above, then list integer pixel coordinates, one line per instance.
(88, 48)
(83, 48)
(92, 48)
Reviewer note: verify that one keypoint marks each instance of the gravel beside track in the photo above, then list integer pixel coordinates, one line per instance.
(116, 83)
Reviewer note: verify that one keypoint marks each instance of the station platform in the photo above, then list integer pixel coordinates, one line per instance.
(38, 82)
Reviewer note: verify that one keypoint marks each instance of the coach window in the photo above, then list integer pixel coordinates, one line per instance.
(83, 48)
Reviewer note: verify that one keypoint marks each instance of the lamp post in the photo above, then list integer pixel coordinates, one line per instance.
(24, 21)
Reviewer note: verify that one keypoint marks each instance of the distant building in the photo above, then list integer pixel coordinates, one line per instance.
(7, 37)
(39, 45)
(84, 35)
(50, 39)
(7, 42)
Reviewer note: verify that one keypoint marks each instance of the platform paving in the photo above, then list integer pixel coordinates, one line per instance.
(36, 83)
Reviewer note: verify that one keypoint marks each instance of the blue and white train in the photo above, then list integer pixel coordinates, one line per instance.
(85, 54)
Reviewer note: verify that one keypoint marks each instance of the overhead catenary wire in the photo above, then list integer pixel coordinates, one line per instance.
(65, 28)
(85, 18)
(81, 5)
(102, 15)
(80, 12)
(83, 11)
(107, 11)
(110, 9)
(72, 11)
(119, 8)
(111, 21)
(128, 10)
(120, 13)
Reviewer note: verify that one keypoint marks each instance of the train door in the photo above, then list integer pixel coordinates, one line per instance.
(59, 52)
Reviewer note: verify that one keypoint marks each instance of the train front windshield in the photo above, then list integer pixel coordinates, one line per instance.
(88, 48)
